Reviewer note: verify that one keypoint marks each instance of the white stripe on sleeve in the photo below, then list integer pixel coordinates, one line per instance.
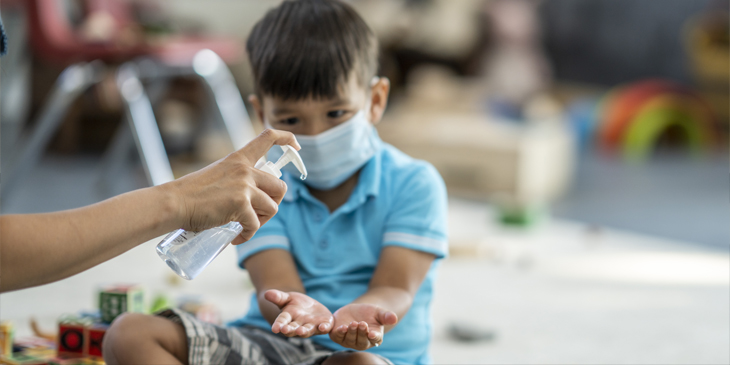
(415, 240)
(256, 243)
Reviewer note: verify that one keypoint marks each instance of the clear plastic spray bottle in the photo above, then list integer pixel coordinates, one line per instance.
(187, 253)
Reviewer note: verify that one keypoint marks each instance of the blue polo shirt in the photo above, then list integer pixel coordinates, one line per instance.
(398, 201)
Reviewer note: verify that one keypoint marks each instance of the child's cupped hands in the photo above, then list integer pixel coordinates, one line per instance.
(361, 326)
(301, 316)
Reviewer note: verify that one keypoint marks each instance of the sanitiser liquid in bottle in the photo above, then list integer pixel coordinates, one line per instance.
(187, 253)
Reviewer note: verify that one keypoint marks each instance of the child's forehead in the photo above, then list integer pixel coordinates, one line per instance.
(350, 93)
(311, 101)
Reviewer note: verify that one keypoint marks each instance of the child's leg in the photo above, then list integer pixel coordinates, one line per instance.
(142, 339)
(355, 358)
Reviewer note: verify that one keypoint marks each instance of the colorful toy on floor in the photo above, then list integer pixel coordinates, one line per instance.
(74, 361)
(7, 332)
(117, 299)
(161, 302)
(47, 357)
(34, 344)
(30, 350)
(80, 337)
(22, 359)
(633, 118)
(71, 332)
(93, 337)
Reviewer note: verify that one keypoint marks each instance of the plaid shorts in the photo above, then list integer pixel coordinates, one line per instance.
(218, 345)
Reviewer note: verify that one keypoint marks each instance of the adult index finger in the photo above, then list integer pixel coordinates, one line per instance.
(258, 147)
(270, 185)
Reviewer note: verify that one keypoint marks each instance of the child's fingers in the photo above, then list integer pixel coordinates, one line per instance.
(338, 335)
(375, 337)
(277, 297)
(281, 320)
(324, 327)
(290, 329)
(387, 318)
(361, 342)
(305, 330)
(351, 336)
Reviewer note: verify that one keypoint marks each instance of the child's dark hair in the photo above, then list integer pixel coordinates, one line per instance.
(310, 48)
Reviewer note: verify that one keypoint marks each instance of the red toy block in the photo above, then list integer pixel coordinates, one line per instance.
(94, 336)
(70, 339)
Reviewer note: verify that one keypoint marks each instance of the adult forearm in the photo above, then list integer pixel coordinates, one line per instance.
(390, 298)
(40, 248)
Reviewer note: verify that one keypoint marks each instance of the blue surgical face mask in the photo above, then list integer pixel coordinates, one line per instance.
(335, 154)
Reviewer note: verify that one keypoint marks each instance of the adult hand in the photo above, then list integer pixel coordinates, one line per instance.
(232, 189)
(300, 315)
(361, 326)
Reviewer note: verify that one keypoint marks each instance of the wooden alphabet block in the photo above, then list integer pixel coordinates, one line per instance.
(93, 338)
(6, 338)
(71, 339)
(115, 300)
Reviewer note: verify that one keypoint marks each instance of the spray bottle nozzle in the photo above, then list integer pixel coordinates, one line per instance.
(290, 155)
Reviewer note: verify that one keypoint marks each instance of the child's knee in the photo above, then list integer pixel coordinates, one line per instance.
(354, 358)
(125, 330)
(121, 335)
(143, 334)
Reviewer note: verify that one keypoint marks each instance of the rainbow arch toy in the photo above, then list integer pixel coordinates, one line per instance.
(631, 119)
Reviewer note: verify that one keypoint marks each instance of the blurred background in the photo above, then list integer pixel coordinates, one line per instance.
(584, 145)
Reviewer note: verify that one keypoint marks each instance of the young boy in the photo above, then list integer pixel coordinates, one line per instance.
(348, 262)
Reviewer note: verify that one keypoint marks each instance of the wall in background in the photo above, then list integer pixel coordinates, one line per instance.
(232, 18)
(614, 41)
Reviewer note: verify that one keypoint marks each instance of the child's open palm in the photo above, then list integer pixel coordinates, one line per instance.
(300, 315)
(361, 326)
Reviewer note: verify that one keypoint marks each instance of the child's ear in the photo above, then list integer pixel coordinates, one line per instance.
(379, 98)
(257, 107)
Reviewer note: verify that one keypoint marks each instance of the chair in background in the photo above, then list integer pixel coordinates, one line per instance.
(55, 41)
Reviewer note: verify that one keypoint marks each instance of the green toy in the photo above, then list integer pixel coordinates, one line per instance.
(117, 299)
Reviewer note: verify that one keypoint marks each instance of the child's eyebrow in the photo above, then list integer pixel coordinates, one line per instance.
(281, 110)
(338, 102)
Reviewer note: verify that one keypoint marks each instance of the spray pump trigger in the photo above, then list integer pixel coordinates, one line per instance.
(290, 155)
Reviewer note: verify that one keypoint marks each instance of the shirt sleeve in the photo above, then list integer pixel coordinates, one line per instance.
(271, 235)
(419, 217)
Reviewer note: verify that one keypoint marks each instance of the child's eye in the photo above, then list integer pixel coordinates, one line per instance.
(289, 121)
(336, 114)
